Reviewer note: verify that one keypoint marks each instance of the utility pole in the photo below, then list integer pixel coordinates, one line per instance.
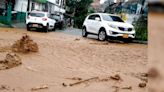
(28, 6)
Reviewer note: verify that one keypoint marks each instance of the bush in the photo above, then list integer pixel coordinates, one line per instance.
(141, 28)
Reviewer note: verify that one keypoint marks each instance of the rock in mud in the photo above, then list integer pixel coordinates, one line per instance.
(116, 77)
(65, 85)
(142, 85)
(25, 44)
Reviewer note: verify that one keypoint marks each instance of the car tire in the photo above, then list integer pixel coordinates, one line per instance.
(46, 28)
(84, 32)
(28, 28)
(129, 40)
(102, 35)
(54, 27)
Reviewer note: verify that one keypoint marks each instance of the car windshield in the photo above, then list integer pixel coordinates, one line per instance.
(37, 14)
(112, 18)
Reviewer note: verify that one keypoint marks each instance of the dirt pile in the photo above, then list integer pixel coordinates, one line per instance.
(11, 60)
(25, 45)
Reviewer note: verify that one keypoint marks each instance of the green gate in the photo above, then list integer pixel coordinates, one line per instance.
(6, 19)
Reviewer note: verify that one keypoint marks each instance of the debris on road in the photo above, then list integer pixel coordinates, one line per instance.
(25, 44)
(31, 69)
(84, 81)
(75, 78)
(130, 88)
(11, 60)
(105, 79)
(39, 88)
(65, 85)
(4, 87)
(142, 85)
(116, 77)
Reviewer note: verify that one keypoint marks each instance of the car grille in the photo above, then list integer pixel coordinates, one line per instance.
(125, 29)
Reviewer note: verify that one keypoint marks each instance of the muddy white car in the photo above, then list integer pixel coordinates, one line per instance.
(41, 20)
(107, 25)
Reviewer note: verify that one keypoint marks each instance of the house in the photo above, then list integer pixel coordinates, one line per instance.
(42, 5)
(15, 10)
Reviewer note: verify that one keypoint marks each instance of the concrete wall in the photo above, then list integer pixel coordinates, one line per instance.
(21, 5)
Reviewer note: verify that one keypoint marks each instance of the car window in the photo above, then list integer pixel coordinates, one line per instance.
(97, 16)
(92, 17)
(112, 18)
(37, 14)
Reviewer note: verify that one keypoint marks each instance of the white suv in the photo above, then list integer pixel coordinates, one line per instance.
(107, 25)
(38, 19)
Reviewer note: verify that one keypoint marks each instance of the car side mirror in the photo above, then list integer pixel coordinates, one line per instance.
(98, 19)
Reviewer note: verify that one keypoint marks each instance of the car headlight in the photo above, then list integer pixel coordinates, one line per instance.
(112, 26)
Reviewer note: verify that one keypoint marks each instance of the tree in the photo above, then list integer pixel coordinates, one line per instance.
(79, 10)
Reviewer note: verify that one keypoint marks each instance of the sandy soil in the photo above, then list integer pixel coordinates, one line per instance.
(64, 59)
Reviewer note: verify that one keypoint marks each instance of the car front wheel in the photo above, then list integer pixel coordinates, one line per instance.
(102, 35)
(84, 32)
(54, 27)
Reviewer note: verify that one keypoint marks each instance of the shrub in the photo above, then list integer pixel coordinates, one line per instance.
(141, 28)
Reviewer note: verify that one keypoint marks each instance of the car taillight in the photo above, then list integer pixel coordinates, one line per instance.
(44, 19)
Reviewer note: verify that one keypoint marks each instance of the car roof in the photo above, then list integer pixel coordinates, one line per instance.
(104, 14)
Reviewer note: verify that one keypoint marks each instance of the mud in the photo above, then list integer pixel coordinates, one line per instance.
(25, 45)
(61, 57)
(11, 60)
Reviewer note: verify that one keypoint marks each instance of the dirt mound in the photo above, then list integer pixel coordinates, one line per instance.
(25, 44)
(11, 60)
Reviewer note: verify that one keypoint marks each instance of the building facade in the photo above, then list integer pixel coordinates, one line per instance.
(15, 10)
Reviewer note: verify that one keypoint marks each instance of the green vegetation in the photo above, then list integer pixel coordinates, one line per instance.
(80, 9)
(141, 28)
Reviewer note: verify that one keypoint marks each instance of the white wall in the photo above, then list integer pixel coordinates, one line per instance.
(131, 17)
(54, 2)
(21, 5)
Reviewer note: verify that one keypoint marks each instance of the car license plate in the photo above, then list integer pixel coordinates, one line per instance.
(125, 36)
(35, 25)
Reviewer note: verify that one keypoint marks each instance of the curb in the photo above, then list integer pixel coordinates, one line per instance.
(140, 42)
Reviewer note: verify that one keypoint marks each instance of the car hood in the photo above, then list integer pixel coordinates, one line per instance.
(121, 24)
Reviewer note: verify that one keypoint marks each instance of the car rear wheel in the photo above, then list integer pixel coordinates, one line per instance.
(28, 28)
(46, 28)
(102, 35)
(84, 32)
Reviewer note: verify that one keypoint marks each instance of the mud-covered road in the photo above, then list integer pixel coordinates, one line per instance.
(63, 58)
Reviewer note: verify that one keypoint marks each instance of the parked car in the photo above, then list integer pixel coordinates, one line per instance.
(107, 25)
(59, 21)
(41, 20)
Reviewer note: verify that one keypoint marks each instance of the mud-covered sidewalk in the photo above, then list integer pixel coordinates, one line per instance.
(67, 63)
